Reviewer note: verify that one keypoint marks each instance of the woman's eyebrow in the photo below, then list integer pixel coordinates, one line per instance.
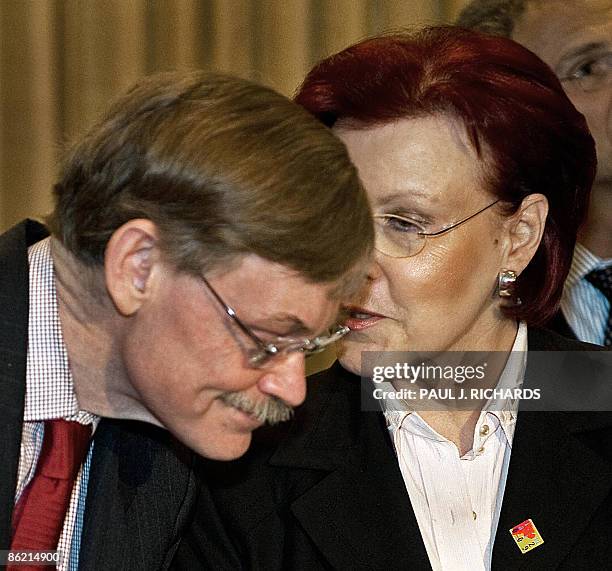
(401, 196)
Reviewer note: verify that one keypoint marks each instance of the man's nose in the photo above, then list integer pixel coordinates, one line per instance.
(285, 379)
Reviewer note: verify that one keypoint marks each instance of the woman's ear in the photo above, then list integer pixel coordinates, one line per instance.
(131, 254)
(525, 230)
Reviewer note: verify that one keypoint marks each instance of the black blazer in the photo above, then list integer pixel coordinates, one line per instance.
(325, 491)
(559, 325)
(141, 484)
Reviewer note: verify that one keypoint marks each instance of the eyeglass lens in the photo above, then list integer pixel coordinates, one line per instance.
(397, 238)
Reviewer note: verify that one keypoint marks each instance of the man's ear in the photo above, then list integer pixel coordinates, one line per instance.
(131, 254)
(525, 229)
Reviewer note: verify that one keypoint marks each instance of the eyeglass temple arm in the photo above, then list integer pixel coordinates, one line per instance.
(232, 314)
(439, 232)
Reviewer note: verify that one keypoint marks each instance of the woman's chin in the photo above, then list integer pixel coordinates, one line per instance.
(350, 354)
(350, 364)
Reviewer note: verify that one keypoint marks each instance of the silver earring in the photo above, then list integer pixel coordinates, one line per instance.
(506, 283)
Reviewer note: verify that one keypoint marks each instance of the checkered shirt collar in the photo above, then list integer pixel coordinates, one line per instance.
(49, 384)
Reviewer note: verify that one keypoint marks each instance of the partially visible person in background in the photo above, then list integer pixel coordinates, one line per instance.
(203, 237)
(479, 169)
(574, 37)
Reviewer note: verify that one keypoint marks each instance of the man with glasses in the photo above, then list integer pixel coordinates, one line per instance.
(574, 37)
(193, 262)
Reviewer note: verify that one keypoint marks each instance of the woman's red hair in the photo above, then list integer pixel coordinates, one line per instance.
(516, 114)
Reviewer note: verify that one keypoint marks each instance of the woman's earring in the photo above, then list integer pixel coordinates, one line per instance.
(506, 283)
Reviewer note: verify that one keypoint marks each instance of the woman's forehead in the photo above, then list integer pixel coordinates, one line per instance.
(423, 160)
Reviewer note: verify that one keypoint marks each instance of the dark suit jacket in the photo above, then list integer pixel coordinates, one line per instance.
(141, 485)
(559, 325)
(326, 492)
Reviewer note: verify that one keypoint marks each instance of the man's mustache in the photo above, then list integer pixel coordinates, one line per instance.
(271, 410)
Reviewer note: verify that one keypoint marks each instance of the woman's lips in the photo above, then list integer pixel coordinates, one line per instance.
(359, 318)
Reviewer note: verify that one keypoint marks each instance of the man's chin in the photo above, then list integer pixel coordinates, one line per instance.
(225, 448)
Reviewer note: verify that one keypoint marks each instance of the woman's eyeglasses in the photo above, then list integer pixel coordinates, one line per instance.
(400, 237)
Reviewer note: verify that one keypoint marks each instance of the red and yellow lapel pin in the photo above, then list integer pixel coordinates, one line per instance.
(526, 536)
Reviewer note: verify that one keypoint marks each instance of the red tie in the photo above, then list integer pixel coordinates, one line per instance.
(39, 514)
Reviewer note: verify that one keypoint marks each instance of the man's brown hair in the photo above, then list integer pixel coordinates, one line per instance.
(223, 167)
(496, 17)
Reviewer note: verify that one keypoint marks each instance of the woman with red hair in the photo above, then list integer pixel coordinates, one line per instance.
(478, 169)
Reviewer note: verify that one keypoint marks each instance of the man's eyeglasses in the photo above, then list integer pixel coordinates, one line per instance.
(264, 352)
(400, 237)
(592, 75)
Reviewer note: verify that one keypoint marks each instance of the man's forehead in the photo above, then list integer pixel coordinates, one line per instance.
(553, 28)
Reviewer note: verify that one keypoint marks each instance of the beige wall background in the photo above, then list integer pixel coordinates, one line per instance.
(61, 61)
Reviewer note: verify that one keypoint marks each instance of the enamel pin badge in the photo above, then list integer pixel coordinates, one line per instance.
(526, 536)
